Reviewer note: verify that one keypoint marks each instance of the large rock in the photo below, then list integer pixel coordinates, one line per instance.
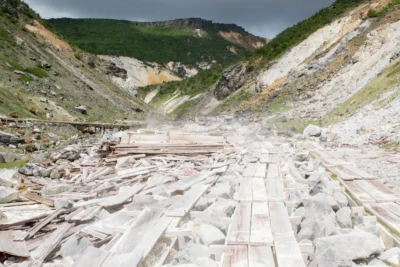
(221, 190)
(377, 263)
(210, 235)
(334, 205)
(191, 253)
(319, 216)
(206, 262)
(232, 79)
(341, 250)
(25, 171)
(341, 199)
(321, 186)
(55, 189)
(391, 257)
(343, 217)
(73, 248)
(221, 208)
(312, 130)
(8, 194)
(63, 203)
(302, 156)
(3, 217)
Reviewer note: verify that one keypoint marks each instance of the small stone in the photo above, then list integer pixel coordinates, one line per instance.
(3, 217)
(54, 189)
(54, 174)
(312, 130)
(305, 233)
(302, 156)
(25, 171)
(81, 109)
(8, 194)
(335, 206)
(47, 172)
(343, 217)
(63, 203)
(221, 190)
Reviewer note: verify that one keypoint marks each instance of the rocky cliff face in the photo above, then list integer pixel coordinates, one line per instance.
(232, 79)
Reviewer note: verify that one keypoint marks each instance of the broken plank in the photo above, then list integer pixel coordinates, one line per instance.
(261, 256)
(261, 232)
(240, 230)
(40, 254)
(377, 191)
(44, 222)
(38, 198)
(385, 215)
(235, 256)
(124, 195)
(275, 190)
(10, 247)
(188, 200)
(250, 170)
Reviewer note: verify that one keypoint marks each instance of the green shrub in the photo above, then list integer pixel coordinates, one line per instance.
(78, 56)
(372, 13)
(38, 72)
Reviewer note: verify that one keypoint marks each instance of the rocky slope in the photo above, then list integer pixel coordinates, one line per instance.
(42, 76)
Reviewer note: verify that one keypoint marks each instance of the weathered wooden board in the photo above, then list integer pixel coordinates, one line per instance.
(357, 192)
(44, 222)
(273, 171)
(250, 170)
(261, 169)
(259, 190)
(282, 230)
(246, 190)
(392, 207)
(186, 138)
(385, 215)
(236, 256)
(124, 195)
(360, 172)
(334, 162)
(189, 199)
(377, 190)
(275, 190)
(261, 256)
(240, 230)
(289, 255)
(344, 173)
(261, 232)
(38, 198)
(10, 247)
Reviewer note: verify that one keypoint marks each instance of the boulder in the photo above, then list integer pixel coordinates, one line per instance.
(391, 257)
(319, 216)
(306, 233)
(341, 250)
(203, 204)
(343, 217)
(312, 130)
(232, 79)
(63, 203)
(221, 208)
(221, 190)
(210, 235)
(8, 194)
(55, 189)
(341, 199)
(206, 262)
(46, 65)
(73, 248)
(55, 174)
(321, 186)
(302, 156)
(191, 253)
(81, 109)
(25, 171)
(334, 205)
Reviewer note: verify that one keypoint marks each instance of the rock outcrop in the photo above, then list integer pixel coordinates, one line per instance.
(232, 79)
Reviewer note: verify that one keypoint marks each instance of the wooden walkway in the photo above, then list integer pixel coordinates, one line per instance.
(365, 188)
(261, 233)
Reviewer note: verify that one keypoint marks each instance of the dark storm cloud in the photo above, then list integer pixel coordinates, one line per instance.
(261, 17)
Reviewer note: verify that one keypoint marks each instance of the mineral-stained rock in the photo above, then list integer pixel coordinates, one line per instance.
(341, 250)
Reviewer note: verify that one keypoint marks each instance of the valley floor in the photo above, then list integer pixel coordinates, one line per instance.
(222, 191)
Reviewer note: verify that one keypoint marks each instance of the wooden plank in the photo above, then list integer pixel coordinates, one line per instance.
(261, 256)
(357, 192)
(86, 215)
(133, 235)
(191, 180)
(289, 255)
(384, 189)
(261, 169)
(176, 137)
(377, 191)
(392, 207)
(385, 215)
(246, 190)
(261, 232)
(44, 222)
(235, 256)
(250, 170)
(38, 198)
(360, 172)
(39, 255)
(344, 173)
(275, 190)
(281, 227)
(259, 190)
(240, 230)
(124, 195)
(273, 171)
(189, 199)
(334, 162)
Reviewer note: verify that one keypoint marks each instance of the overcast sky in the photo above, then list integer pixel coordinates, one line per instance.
(261, 17)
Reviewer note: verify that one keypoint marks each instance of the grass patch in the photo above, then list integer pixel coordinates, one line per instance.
(277, 105)
(378, 86)
(12, 165)
(4, 35)
(16, 101)
(38, 72)
(26, 78)
(380, 13)
(233, 101)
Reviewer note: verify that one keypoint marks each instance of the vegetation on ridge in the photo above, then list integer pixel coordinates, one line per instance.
(160, 44)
